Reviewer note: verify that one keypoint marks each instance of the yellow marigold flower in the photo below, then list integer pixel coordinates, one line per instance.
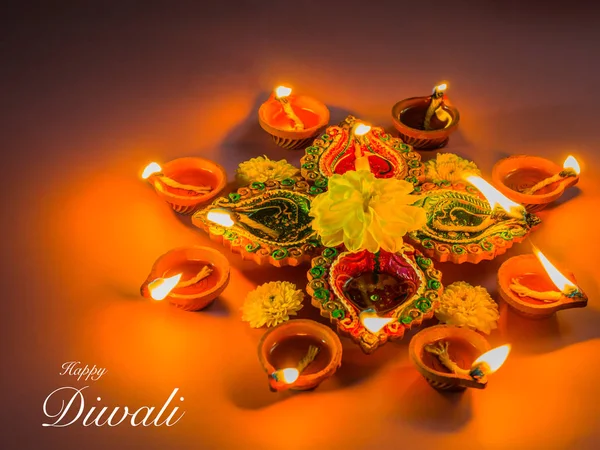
(264, 169)
(448, 167)
(365, 212)
(271, 304)
(468, 306)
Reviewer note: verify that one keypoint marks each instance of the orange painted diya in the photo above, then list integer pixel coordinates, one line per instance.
(528, 271)
(173, 275)
(514, 175)
(334, 152)
(283, 348)
(186, 183)
(292, 120)
(464, 347)
(408, 116)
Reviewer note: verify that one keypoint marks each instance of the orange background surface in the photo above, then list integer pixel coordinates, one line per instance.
(93, 93)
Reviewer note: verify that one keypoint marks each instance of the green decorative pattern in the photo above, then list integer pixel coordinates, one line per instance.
(271, 222)
(461, 223)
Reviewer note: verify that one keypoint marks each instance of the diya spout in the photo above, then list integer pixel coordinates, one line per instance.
(151, 169)
(570, 169)
(220, 217)
(281, 95)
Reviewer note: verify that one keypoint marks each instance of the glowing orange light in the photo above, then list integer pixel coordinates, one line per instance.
(494, 358)
(161, 287)
(441, 87)
(288, 376)
(220, 218)
(372, 321)
(151, 169)
(361, 129)
(571, 163)
(282, 91)
(560, 281)
(495, 197)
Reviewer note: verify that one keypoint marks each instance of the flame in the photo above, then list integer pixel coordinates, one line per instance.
(559, 280)
(494, 358)
(441, 87)
(151, 169)
(282, 91)
(161, 287)
(220, 218)
(495, 197)
(288, 375)
(372, 321)
(361, 129)
(571, 163)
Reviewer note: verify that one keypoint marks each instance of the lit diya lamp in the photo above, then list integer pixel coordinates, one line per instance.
(453, 358)
(299, 354)
(535, 288)
(186, 183)
(426, 122)
(190, 277)
(374, 297)
(292, 120)
(470, 222)
(354, 145)
(268, 223)
(534, 181)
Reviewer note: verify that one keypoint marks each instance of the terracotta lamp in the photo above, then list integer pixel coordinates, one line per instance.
(186, 183)
(374, 297)
(426, 122)
(267, 223)
(292, 120)
(299, 354)
(470, 222)
(533, 287)
(452, 358)
(190, 278)
(534, 181)
(344, 147)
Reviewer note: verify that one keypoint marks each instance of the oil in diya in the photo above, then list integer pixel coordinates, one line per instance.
(292, 120)
(534, 181)
(186, 183)
(426, 122)
(533, 287)
(190, 277)
(299, 354)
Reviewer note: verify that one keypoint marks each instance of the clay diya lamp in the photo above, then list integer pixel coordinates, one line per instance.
(267, 223)
(292, 120)
(469, 222)
(186, 183)
(533, 287)
(453, 359)
(342, 148)
(299, 354)
(534, 181)
(190, 278)
(426, 122)
(374, 297)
